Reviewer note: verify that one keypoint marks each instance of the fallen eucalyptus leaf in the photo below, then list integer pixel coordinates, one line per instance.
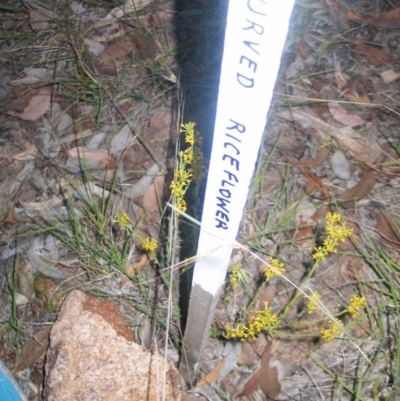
(43, 267)
(30, 107)
(34, 349)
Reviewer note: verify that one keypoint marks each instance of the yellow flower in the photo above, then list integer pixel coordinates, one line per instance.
(313, 303)
(122, 219)
(337, 231)
(275, 269)
(188, 127)
(335, 228)
(177, 189)
(332, 218)
(356, 303)
(181, 205)
(327, 335)
(238, 275)
(150, 244)
(330, 245)
(332, 332)
(320, 253)
(188, 155)
(189, 138)
(184, 177)
(257, 323)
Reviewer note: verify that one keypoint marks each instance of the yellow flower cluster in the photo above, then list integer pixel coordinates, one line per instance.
(337, 231)
(123, 220)
(150, 244)
(191, 156)
(313, 304)
(332, 332)
(259, 321)
(356, 303)
(274, 269)
(238, 275)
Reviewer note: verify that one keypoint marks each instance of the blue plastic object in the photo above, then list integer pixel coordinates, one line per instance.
(9, 390)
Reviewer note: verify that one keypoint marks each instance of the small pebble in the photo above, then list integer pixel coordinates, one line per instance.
(94, 47)
(340, 165)
(65, 123)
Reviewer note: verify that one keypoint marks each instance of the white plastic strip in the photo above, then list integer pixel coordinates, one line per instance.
(254, 39)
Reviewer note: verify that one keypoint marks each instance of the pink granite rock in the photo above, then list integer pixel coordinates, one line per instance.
(91, 359)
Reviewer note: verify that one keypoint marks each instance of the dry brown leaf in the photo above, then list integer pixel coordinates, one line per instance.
(247, 353)
(76, 137)
(356, 148)
(250, 385)
(348, 198)
(308, 120)
(44, 205)
(39, 19)
(302, 49)
(27, 154)
(116, 50)
(354, 91)
(374, 55)
(389, 76)
(386, 226)
(340, 78)
(34, 349)
(137, 267)
(213, 375)
(391, 16)
(320, 109)
(24, 81)
(30, 106)
(98, 155)
(356, 18)
(389, 20)
(129, 7)
(269, 381)
(153, 21)
(340, 114)
(153, 195)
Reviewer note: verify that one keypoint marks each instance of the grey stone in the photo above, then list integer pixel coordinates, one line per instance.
(340, 165)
